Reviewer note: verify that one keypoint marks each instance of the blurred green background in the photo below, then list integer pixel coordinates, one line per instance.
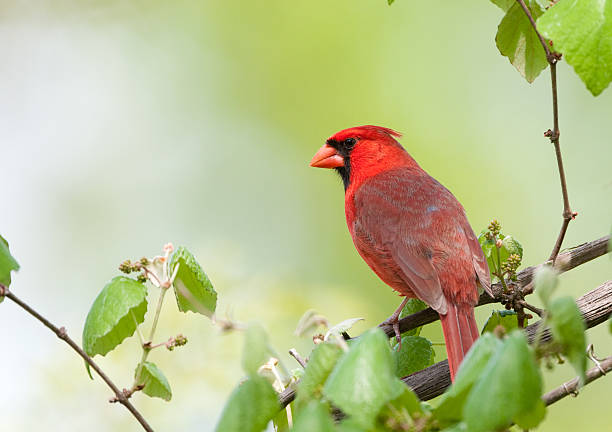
(127, 124)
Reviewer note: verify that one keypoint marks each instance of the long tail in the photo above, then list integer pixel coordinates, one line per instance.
(460, 332)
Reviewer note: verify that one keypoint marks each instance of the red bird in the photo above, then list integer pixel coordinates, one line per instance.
(410, 230)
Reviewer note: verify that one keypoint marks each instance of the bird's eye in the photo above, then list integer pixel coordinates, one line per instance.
(350, 142)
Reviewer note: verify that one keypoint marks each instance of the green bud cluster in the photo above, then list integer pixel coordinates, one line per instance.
(179, 340)
(128, 266)
(494, 230)
(510, 266)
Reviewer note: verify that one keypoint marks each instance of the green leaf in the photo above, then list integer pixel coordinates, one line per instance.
(114, 315)
(504, 4)
(322, 361)
(508, 389)
(517, 40)
(341, 327)
(416, 353)
(532, 418)
(545, 283)
(505, 318)
(582, 32)
(510, 246)
(403, 408)
(488, 248)
(255, 351)
(459, 427)
(568, 328)
(250, 407)
(155, 383)
(314, 417)
(450, 409)
(194, 291)
(280, 421)
(413, 306)
(350, 425)
(390, 2)
(364, 379)
(7, 264)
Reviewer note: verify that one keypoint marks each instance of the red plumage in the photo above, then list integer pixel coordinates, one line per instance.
(410, 230)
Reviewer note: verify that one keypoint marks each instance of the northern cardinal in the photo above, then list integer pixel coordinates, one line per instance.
(410, 230)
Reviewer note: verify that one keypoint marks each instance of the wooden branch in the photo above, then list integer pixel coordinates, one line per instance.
(596, 307)
(571, 387)
(61, 333)
(566, 261)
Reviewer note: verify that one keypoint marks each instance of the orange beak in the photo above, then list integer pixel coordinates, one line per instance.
(327, 157)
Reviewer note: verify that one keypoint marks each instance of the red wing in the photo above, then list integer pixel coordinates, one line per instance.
(421, 276)
(382, 221)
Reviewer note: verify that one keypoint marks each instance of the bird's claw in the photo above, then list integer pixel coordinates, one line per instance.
(398, 335)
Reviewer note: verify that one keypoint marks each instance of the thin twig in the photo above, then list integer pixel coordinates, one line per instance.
(63, 335)
(539, 312)
(533, 24)
(298, 358)
(552, 58)
(571, 387)
(147, 346)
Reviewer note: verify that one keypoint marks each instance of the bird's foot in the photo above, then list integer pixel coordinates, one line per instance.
(393, 321)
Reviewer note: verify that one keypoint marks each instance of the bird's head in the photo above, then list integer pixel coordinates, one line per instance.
(363, 151)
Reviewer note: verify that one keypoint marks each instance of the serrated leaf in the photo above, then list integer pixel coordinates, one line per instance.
(194, 291)
(416, 353)
(364, 379)
(341, 327)
(250, 407)
(255, 352)
(155, 383)
(545, 283)
(582, 32)
(7, 264)
(322, 361)
(503, 4)
(517, 40)
(509, 387)
(313, 417)
(510, 246)
(413, 306)
(568, 328)
(114, 315)
(450, 409)
(505, 318)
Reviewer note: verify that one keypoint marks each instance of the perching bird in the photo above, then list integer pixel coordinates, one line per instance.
(410, 230)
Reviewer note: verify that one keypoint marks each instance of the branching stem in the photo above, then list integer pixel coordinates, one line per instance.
(552, 58)
(571, 387)
(63, 335)
(146, 347)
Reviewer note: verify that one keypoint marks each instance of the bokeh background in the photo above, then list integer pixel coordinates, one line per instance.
(128, 124)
